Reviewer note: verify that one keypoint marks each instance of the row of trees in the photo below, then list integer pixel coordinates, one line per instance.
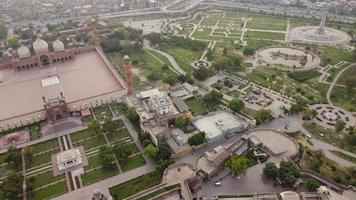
(287, 172)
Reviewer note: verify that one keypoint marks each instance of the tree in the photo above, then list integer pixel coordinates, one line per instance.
(200, 74)
(270, 171)
(213, 98)
(107, 157)
(339, 125)
(238, 164)
(95, 126)
(12, 186)
(169, 78)
(236, 105)
(312, 184)
(164, 152)
(28, 153)
(132, 115)
(151, 151)
(288, 173)
(13, 43)
(350, 84)
(197, 139)
(263, 115)
(108, 125)
(181, 122)
(122, 150)
(111, 45)
(309, 114)
(13, 157)
(154, 38)
(248, 51)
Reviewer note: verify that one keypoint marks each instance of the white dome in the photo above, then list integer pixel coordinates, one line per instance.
(23, 52)
(40, 45)
(58, 46)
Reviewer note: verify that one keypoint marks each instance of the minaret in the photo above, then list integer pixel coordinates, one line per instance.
(127, 63)
(321, 30)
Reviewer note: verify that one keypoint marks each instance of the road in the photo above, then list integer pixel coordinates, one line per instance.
(328, 94)
(296, 123)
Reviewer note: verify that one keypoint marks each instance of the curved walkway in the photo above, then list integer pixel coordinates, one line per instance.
(295, 123)
(328, 94)
(169, 57)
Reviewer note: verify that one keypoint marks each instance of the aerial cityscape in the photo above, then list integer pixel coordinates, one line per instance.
(178, 99)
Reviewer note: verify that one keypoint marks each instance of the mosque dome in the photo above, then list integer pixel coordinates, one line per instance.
(40, 45)
(23, 52)
(58, 46)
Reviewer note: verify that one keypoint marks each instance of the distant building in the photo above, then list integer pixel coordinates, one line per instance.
(158, 111)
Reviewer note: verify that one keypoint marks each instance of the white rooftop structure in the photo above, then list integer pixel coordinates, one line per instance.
(289, 195)
(218, 124)
(40, 45)
(23, 52)
(69, 158)
(58, 46)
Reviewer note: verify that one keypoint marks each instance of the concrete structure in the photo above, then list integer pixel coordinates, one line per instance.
(16, 138)
(158, 111)
(70, 160)
(212, 161)
(319, 35)
(220, 124)
(329, 114)
(288, 58)
(289, 195)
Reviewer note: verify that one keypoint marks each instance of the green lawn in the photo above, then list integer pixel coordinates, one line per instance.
(118, 107)
(196, 107)
(351, 72)
(45, 178)
(344, 156)
(344, 99)
(40, 159)
(102, 112)
(50, 192)
(184, 57)
(97, 175)
(44, 146)
(332, 55)
(132, 163)
(253, 35)
(136, 185)
(94, 161)
(82, 135)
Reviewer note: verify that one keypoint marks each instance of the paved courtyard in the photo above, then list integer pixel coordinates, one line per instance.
(84, 77)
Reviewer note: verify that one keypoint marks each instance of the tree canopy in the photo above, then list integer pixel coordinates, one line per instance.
(339, 125)
(236, 105)
(13, 43)
(263, 115)
(248, 51)
(312, 184)
(213, 97)
(197, 139)
(288, 172)
(270, 171)
(201, 74)
(151, 150)
(107, 157)
(13, 157)
(238, 164)
(12, 186)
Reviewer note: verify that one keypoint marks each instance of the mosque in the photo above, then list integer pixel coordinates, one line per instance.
(53, 82)
(22, 59)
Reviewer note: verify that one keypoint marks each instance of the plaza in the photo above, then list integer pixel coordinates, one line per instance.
(84, 81)
(288, 58)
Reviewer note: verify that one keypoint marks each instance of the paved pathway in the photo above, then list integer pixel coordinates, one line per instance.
(328, 94)
(296, 123)
(169, 57)
(86, 192)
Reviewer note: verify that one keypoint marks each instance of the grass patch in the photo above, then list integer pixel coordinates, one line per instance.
(97, 175)
(136, 185)
(45, 178)
(196, 107)
(49, 192)
(302, 76)
(344, 156)
(132, 163)
(344, 99)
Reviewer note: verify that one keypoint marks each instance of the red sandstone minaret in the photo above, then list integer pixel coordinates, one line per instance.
(127, 63)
